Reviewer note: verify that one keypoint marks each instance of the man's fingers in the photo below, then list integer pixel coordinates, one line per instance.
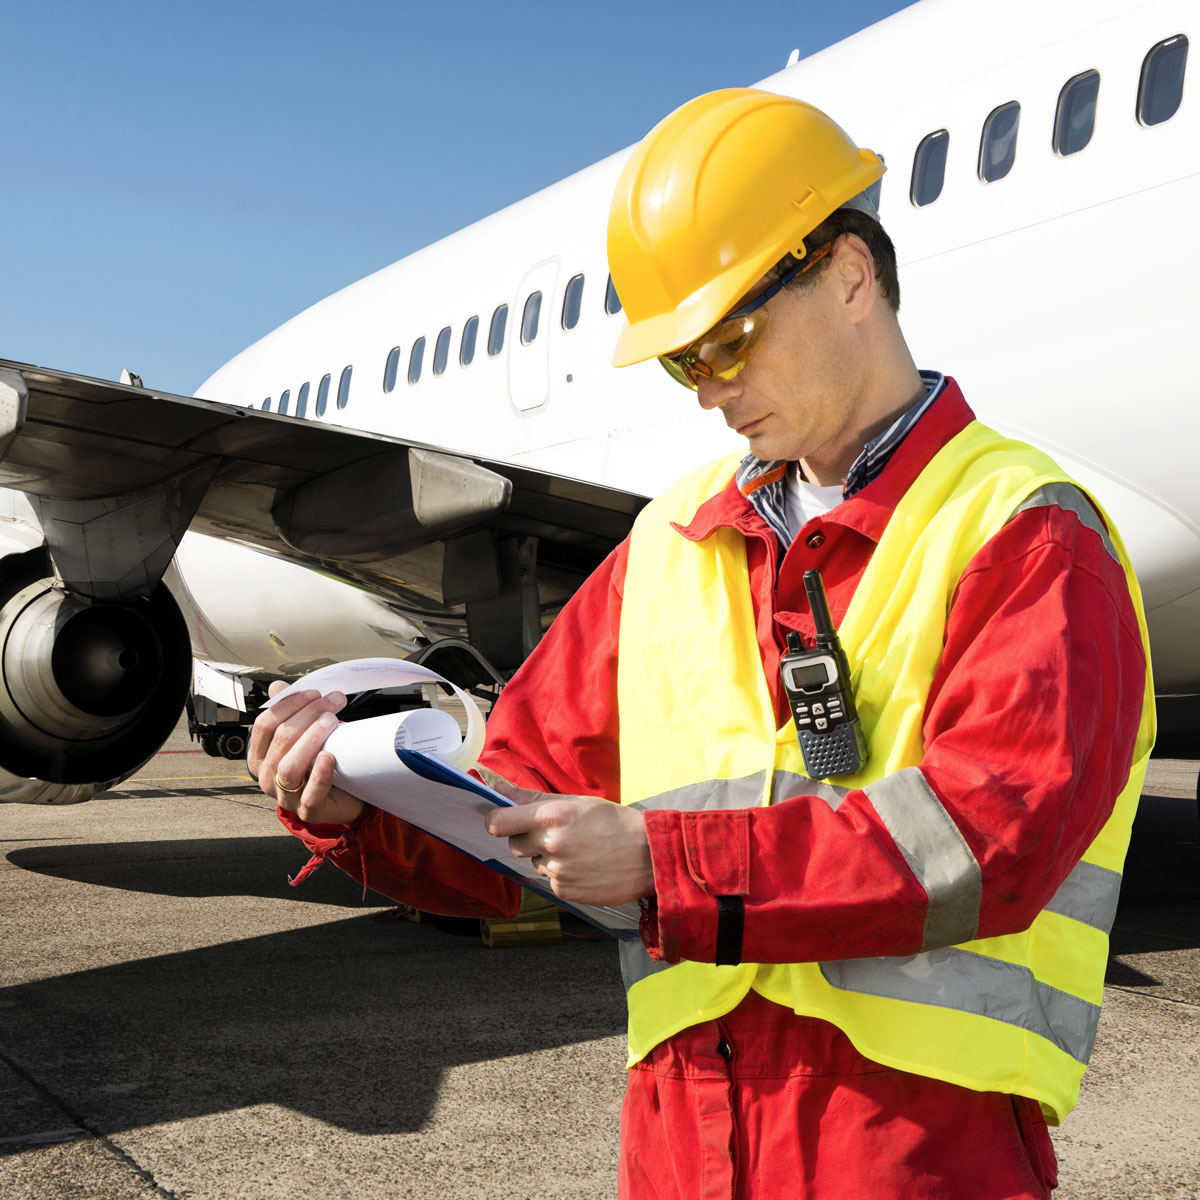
(509, 822)
(269, 721)
(316, 787)
(287, 737)
(294, 766)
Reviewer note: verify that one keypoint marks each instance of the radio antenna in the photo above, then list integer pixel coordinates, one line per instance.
(827, 638)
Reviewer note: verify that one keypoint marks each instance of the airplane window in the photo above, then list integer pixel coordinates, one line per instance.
(302, 400)
(998, 144)
(390, 368)
(572, 302)
(416, 359)
(929, 168)
(322, 395)
(529, 318)
(1076, 116)
(876, 189)
(496, 332)
(283, 401)
(466, 348)
(266, 404)
(343, 396)
(1161, 86)
(441, 351)
(612, 302)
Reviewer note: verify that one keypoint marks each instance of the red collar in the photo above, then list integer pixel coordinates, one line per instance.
(866, 511)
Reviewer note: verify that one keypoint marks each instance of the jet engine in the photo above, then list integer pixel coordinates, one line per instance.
(89, 689)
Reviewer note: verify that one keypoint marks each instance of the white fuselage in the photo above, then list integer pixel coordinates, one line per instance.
(1061, 296)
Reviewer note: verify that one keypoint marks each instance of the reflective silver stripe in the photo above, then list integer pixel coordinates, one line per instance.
(636, 964)
(1089, 894)
(946, 978)
(746, 792)
(785, 784)
(936, 852)
(1070, 499)
(973, 983)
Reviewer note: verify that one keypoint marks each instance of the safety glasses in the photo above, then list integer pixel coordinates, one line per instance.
(726, 348)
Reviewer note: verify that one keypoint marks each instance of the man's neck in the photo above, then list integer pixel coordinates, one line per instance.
(830, 465)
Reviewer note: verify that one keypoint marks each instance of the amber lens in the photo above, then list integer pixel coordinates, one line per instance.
(721, 353)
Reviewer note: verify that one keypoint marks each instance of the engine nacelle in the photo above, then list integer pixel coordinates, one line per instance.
(88, 690)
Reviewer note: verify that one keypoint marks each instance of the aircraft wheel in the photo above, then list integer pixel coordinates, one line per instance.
(232, 745)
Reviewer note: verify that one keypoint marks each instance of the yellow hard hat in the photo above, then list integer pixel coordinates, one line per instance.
(711, 198)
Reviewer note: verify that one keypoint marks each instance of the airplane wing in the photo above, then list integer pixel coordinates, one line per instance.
(421, 526)
(476, 552)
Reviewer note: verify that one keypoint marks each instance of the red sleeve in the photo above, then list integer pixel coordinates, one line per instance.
(553, 729)
(395, 858)
(1029, 731)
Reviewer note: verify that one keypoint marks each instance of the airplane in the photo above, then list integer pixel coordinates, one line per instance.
(428, 462)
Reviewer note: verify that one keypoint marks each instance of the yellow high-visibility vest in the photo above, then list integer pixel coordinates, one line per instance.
(1015, 1013)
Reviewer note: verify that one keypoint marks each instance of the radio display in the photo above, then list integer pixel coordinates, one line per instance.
(809, 676)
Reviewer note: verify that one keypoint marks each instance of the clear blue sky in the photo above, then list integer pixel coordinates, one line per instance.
(178, 179)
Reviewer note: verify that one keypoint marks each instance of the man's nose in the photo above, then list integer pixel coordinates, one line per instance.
(712, 393)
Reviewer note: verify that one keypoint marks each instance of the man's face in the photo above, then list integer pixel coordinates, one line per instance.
(797, 394)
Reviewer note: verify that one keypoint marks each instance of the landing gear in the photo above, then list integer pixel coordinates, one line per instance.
(219, 731)
(231, 744)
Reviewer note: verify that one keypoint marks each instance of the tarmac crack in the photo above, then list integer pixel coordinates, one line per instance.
(83, 1125)
(1141, 994)
(264, 807)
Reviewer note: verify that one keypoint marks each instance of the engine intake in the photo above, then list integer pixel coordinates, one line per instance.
(88, 690)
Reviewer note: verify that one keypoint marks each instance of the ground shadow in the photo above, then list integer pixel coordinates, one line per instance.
(1159, 908)
(352, 1022)
(247, 866)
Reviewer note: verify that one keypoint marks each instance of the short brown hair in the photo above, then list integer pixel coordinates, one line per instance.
(849, 220)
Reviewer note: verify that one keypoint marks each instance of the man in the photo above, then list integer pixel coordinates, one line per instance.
(875, 985)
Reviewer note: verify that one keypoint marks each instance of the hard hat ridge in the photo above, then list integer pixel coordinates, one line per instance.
(711, 198)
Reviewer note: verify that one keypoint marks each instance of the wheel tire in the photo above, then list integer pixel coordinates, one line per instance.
(232, 745)
(208, 743)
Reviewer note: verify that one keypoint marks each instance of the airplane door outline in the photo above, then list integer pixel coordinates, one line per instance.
(529, 365)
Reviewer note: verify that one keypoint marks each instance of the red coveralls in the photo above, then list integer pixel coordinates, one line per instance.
(1029, 732)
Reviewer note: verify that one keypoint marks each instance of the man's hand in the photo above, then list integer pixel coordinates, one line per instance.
(285, 756)
(591, 850)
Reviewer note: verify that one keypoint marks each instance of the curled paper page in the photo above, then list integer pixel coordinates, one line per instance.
(370, 674)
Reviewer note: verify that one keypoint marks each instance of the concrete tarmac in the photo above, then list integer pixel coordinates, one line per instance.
(176, 1021)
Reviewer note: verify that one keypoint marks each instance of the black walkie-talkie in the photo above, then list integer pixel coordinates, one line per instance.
(817, 683)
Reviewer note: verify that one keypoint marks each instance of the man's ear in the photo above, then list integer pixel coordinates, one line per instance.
(856, 273)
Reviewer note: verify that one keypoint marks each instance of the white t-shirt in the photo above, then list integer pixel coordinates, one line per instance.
(803, 500)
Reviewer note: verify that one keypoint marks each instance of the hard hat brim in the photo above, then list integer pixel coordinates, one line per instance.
(671, 331)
